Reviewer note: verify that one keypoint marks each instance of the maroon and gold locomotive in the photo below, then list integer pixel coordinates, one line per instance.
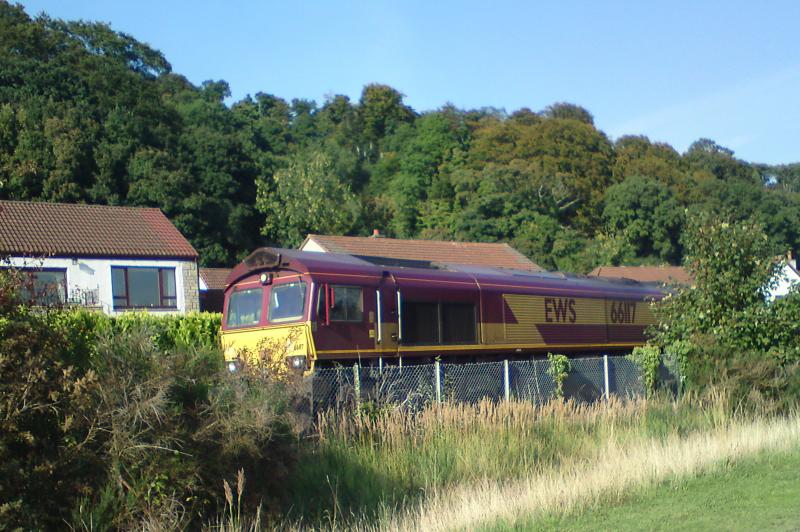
(324, 307)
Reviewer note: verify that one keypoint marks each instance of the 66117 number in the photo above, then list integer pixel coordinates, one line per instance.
(622, 312)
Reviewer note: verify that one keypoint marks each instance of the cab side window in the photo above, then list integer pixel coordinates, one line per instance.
(347, 303)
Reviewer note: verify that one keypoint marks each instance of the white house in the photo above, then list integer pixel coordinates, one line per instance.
(114, 259)
(787, 278)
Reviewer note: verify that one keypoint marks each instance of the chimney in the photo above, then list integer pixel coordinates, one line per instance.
(376, 234)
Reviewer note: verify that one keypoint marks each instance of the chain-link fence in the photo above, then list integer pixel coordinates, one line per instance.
(415, 386)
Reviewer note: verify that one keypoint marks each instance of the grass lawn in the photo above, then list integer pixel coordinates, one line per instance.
(762, 493)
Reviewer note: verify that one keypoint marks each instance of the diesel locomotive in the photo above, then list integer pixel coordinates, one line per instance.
(326, 308)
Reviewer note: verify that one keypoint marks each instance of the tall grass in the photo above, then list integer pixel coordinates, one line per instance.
(360, 466)
(610, 474)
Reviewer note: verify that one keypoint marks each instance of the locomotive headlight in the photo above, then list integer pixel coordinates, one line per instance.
(298, 363)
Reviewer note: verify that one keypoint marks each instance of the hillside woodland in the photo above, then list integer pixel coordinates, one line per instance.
(88, 114)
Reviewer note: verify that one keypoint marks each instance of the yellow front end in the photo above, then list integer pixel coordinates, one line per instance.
(279, 348)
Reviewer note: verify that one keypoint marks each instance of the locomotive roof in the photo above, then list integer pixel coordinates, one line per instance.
(271, 259)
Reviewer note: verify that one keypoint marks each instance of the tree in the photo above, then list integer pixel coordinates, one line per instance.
(784, 177)
(428, 147)
(381, 111)
(706, 155)
(644, 213)
(637, 156)
(723, 326)
(568, 111)
(564, 163)
(306, 197)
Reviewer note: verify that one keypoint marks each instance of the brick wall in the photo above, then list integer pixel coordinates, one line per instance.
(191, 288)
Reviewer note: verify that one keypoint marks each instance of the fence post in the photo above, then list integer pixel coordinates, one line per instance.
(380, 365)
(357, 384)
(438, 375)
(605, 376)
(506, 381)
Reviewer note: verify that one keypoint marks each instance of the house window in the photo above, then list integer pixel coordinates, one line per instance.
(47, 286)
(135, 287)
(348, 303)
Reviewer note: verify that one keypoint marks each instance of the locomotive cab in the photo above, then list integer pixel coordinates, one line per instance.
(266, 312)
(297, 308)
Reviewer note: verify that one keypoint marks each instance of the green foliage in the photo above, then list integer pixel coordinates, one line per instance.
(82, 328)
(645, 213)
(724, 329)
(733, 270)
(559, 371)
(381, 111)
(568, 111)
(648, 358)
(88, 114)
(47, 409)
(307, 197)
(126, 421)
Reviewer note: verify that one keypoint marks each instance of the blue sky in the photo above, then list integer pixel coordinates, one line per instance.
(674, 71)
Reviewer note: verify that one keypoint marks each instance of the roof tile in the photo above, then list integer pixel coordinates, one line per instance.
(465, 253)
(79, 230)
(215, 278)
(645, 274)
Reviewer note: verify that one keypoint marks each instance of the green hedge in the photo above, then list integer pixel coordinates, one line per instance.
(84, 328)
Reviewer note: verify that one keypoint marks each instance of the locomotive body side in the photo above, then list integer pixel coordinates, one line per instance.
(529, 314)
(355, 310)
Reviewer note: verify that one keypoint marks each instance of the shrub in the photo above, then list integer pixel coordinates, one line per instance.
(128, 422)
(559, 370)
(648, 358)
(82, 328)
(46, 413)
(724, 321)
(182, 426)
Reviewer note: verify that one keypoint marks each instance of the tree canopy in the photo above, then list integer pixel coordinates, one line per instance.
(89, 114)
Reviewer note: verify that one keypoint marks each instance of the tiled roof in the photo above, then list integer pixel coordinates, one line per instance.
(465, 253)
(645, 274)
(215, 277)
(77, 230)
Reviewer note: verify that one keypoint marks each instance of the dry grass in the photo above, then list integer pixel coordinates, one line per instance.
(372, 463)
(615, 468)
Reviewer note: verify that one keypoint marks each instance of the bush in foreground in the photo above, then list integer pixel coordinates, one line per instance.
(127, 422)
